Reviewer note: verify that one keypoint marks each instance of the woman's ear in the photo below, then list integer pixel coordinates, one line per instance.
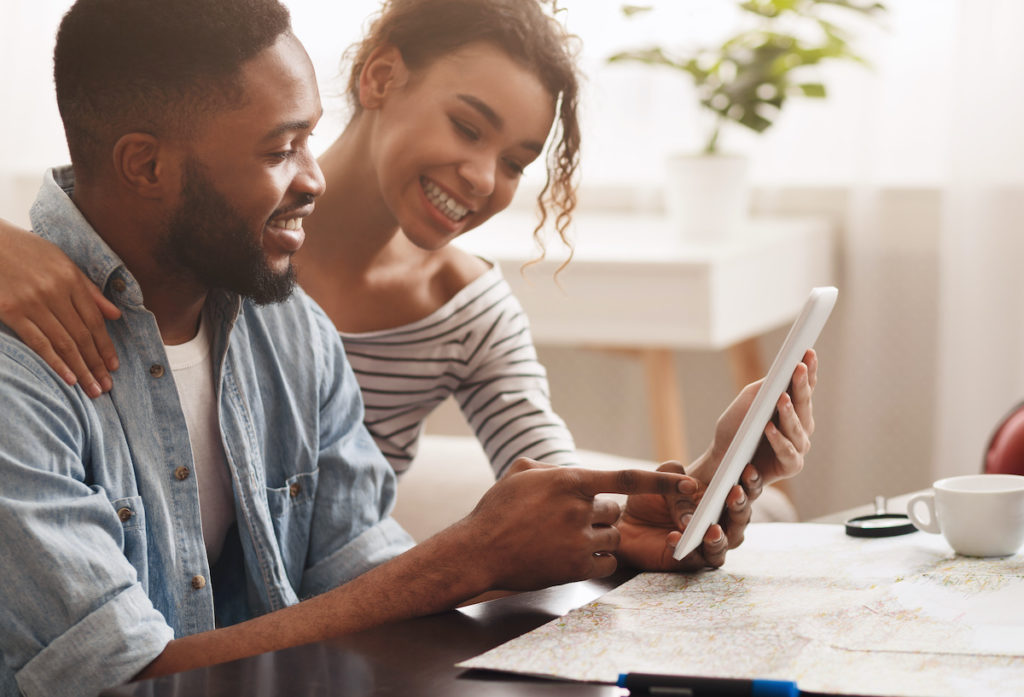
(383, 72)
(139, 164)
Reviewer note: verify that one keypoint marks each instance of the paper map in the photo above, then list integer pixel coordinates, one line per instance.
(901, 616)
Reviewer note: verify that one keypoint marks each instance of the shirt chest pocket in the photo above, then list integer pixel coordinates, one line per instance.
(291, 510)
(132, 514)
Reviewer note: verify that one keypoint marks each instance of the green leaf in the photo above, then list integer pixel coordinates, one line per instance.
(761, 9)
(754, 122)
(812, 89)
(630, 10)
(866, 8)
(652, 56)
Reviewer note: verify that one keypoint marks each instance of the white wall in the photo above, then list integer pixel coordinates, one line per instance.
(879, 125)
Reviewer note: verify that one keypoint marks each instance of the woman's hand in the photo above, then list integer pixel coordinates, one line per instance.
(56, 310)
(787, 437)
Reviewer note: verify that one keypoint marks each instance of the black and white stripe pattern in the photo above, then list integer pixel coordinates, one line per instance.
(477, 347)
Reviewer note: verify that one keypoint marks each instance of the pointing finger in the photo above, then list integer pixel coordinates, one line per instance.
(593, 482)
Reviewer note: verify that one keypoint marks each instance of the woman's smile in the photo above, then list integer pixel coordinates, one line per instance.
(446, 204)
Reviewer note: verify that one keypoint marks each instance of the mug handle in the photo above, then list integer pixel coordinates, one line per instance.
(928, 500)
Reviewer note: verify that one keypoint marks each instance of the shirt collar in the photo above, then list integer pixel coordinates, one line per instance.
(55, 217)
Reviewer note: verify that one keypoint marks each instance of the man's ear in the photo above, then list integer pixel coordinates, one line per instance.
(141, 164)
(383, 72)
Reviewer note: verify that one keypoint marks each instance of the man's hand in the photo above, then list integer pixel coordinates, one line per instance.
(651, 526)
(541, 525)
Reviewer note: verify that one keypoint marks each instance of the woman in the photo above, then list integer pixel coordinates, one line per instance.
(435, 147)
(452, 100)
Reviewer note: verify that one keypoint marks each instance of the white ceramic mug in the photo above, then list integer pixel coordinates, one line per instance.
(980, 515)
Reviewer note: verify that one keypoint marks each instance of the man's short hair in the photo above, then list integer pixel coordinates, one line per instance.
(153, 66)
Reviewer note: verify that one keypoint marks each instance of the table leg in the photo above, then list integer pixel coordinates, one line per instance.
(745, 362)
(666, 404)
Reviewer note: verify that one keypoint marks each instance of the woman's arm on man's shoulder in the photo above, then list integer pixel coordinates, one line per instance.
(56, 310)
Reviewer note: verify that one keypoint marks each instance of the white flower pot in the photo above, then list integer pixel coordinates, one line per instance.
(706, 196)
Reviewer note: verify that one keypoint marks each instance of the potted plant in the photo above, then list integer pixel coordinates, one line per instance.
(745, 81)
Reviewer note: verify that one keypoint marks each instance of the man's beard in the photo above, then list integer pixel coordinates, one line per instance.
(207, 240)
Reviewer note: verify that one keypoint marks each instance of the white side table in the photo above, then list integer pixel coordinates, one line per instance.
(633, 286)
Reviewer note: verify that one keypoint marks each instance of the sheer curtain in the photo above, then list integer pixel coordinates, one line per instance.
(981, 339)
(932, 353)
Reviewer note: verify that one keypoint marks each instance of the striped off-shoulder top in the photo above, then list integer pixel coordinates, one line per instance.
(476, 347)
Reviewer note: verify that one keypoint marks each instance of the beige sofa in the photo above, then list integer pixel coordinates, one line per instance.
(451, 473)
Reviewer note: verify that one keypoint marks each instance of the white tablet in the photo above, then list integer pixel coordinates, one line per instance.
(801, 337)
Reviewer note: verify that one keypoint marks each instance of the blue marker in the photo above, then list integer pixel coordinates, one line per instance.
(682, 686)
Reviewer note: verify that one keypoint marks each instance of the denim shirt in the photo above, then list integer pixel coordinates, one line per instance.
(102, 560)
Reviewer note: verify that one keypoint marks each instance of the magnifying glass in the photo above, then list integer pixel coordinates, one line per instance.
(880, 523)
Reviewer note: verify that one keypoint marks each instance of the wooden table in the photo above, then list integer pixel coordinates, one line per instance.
(633, 287)
(415, 658)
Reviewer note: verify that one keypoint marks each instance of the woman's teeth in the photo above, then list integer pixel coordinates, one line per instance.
(290, 224)
(443, 202)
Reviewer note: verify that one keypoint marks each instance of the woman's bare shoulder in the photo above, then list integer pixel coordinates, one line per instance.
(456, 270)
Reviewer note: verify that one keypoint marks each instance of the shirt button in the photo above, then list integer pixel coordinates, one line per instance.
(181, 473)
(198, 582)
(125, 514)
(294, 490)
(156, 370)
(119, 285)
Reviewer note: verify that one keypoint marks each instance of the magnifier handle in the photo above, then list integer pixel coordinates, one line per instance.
(928, 501)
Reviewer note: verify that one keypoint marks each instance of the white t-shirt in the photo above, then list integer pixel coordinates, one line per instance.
(192, 366)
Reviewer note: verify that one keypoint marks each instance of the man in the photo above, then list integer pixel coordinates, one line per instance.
(239, 506)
